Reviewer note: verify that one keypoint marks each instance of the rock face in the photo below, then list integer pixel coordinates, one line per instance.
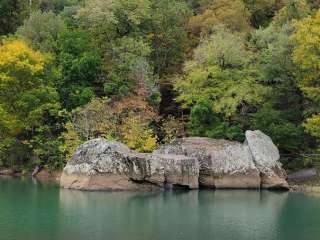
(189, 163)
(97, 165)
(266, 157)
(223, 164)
(102, 165)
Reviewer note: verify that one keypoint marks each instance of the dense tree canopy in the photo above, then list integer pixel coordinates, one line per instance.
(27, 96)
(41, 30)
(12, 13)
(147, 71)
(233, 14)
(306, 56)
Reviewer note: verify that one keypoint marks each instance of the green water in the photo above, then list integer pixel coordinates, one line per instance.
(41, 211)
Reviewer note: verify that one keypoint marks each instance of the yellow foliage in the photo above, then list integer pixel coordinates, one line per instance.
(126, 120)
(306, 55)
(18, 55)
(96, 119)
(312, 125)
(307, 51)
(19, 68)
(172, 128)
(295, 9)
(71, 140)
(7, 124)
(101, 117)
(137, 135)
(231, 13)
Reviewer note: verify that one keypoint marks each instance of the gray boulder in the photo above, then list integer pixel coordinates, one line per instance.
(266, 158)
(188, 162)
(108, 165)
(227, 164)
(172, 171)
(99, 165)
(223, 164)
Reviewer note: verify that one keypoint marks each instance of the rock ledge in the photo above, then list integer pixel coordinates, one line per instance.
(185, 163)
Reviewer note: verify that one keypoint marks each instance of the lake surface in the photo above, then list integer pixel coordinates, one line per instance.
(41, 211)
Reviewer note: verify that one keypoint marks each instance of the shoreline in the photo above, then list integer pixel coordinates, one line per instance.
(46, 175)
(305, 188)
(43, 175)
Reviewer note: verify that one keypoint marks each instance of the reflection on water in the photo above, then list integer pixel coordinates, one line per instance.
(33, 210)
(182, 215)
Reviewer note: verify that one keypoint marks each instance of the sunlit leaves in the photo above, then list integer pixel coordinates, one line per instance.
(231, 91)
(26, 96)
(312, 125)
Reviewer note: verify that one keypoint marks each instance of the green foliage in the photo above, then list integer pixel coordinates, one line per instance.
(169, 37)
(220, 91)
(12, 13)
(285, 134)
(222, 67)
(306, 56)
(118, 27)
(45, 145)
(41, 30)
(163, 23)
(231, 13)
(96, 119)
(314, 4)
(294, 9)
(277, 117)
(71, 140)
(275, 49)
(14, 153)
(216, 73)
(26, 97)
(79, 66)
(109, 19)
(204, 122)
(262, 11)
(128, 67)
(231, 91)
(222, 48)
(56, 5)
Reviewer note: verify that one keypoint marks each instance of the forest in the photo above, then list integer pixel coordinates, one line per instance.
(144, 72)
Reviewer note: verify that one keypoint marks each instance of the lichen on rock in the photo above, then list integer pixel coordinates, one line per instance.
(188, 162)
(266, 158)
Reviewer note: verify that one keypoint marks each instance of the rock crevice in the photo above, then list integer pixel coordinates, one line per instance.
(185, 163)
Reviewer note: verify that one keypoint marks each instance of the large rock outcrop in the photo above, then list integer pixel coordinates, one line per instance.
(266, 157)
(223, 164)
(108, 165)
(188, 162)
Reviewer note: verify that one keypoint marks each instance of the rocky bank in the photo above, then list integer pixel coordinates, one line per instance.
(185, 163)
